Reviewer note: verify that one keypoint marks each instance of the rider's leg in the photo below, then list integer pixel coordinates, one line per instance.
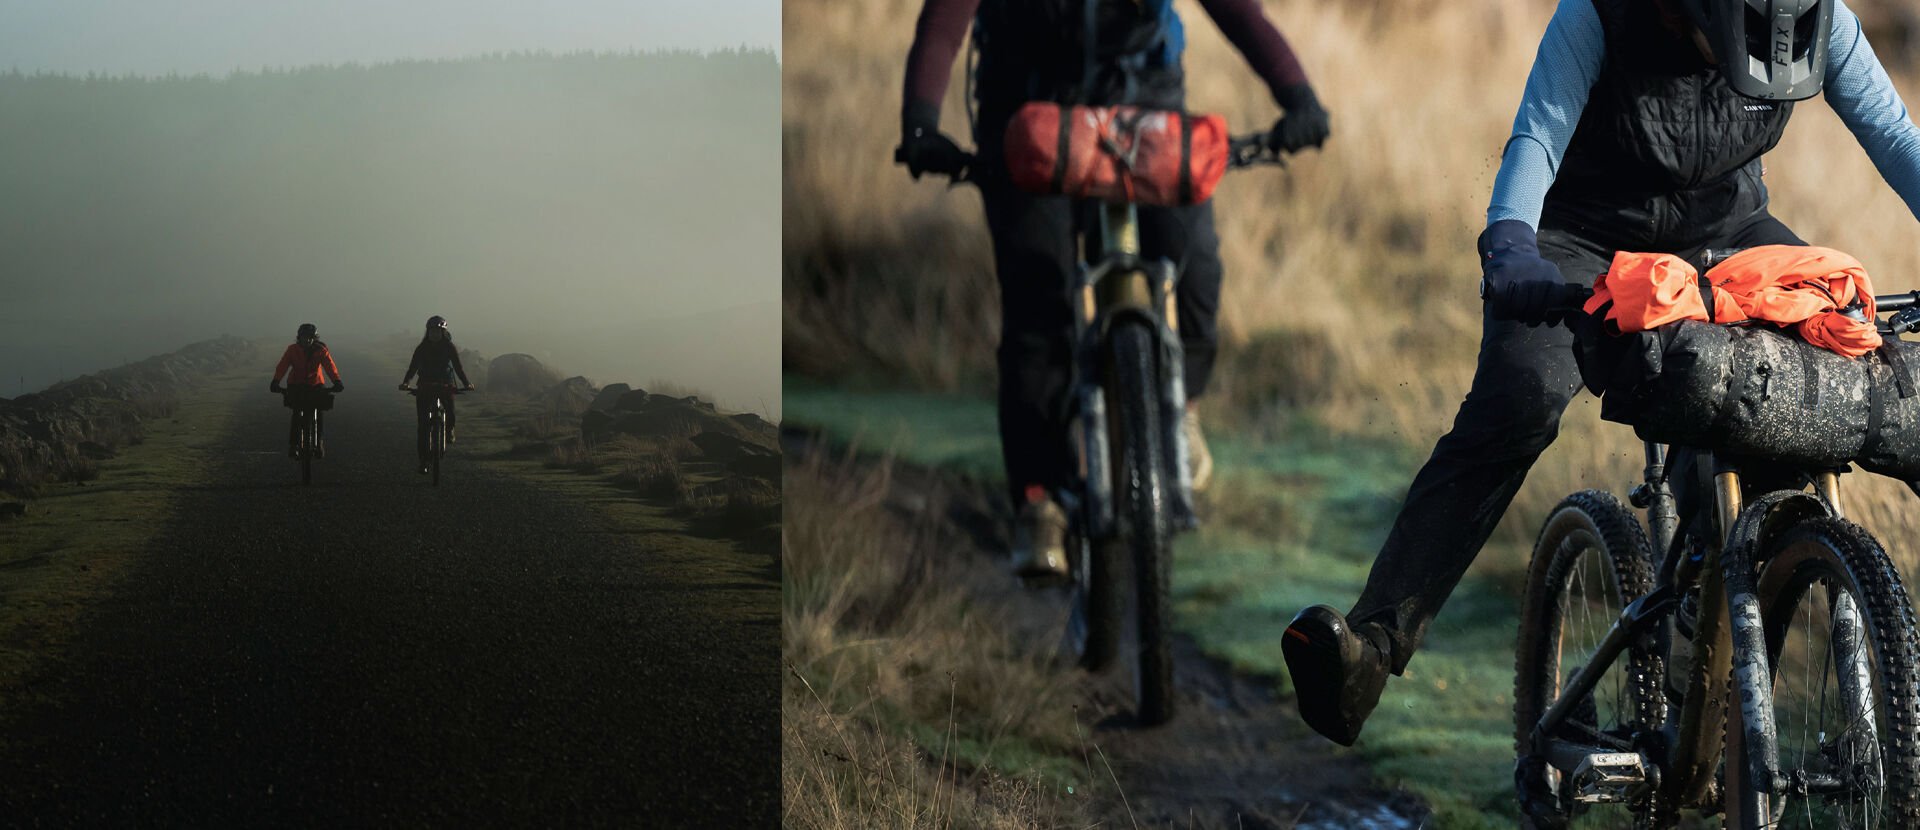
(1524, 380)
(422, 405)
(1034, 259)
(1186, 236)
(448, 400)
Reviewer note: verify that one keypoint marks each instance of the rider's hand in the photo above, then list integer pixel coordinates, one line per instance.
(274, 386)
(1520, 284)
(923, 148)
(405, 388)
(1306, 123)
(339, 386)
(467, 388)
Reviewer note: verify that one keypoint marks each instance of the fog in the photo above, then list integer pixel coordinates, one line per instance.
(615, 214)
(218, 36)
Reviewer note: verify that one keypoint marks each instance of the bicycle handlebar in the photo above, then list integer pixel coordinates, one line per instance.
(1243, 151)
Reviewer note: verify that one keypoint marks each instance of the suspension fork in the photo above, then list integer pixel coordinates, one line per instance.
(1703, 713)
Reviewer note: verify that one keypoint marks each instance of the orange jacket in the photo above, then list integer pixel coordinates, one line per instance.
(306, 368)
(1801, 287)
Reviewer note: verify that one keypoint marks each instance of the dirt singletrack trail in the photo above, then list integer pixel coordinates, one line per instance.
(1236, 754)
(372, 650)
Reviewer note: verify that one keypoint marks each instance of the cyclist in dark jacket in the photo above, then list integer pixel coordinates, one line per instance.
(1032, 50)
(1641, 128)
(437, 361)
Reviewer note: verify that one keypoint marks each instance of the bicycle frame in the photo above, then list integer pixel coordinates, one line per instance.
(1123, 285)
(1686, 747)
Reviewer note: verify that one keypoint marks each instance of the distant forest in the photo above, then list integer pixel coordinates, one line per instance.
(544, 187)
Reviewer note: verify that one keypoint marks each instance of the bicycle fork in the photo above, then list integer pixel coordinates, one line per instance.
(1123, 286)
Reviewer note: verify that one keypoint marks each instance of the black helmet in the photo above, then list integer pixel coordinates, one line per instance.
(306, 330)
(1770, 49)
(436, 322)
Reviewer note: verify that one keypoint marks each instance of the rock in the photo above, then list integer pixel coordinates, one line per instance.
(764, 467)
(726, 449)
(595, 424)
(569, 397)
(632, 401)
(608, 395)
(519, 374)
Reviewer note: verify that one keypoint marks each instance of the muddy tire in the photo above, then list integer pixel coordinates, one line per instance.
(1840, 680)
(1591, 560)
(1142, 490)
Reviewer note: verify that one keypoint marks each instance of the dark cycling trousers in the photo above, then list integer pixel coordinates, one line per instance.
(422, 405)
(1525, 378)
(1035, 257)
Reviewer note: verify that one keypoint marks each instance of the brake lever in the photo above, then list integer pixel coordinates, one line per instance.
(1904, 321)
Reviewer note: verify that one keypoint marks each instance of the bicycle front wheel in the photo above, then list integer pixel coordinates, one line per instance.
(1592, 559)
(437, 435)
(1142, 486)
(1844, 690)
(307, 443)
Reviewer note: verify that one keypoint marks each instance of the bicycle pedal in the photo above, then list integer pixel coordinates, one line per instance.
(1609, 777)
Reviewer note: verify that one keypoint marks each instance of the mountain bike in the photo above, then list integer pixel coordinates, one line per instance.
(436, 416)
(1135, 491)
(308, 446)
(1763, 665)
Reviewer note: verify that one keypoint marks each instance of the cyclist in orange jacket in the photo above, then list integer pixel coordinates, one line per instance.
(306, 364)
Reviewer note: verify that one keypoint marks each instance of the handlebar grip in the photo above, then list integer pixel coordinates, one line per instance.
(1565, 302)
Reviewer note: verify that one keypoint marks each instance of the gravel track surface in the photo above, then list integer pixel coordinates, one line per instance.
(371, 650)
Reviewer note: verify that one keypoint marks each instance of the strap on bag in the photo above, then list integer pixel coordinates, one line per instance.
(1896, 360)
(1186, 157)
(1067, 114)
(1706, 295)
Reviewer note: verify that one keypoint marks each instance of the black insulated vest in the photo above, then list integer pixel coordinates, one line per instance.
(1666, 153)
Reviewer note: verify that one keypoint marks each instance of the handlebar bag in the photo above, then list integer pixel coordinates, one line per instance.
(1117, 153)
(1760, 392)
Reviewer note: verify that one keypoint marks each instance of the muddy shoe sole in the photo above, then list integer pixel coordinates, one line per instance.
(1312, 650)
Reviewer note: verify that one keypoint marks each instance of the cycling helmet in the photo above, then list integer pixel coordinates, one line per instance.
(436, 322)
(306, 330)
(1770, 49)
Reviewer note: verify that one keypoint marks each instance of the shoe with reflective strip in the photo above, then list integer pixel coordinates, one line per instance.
(1337, 673)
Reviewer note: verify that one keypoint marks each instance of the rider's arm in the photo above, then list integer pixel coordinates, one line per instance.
(936, 42)
(1859, 90)
(1249, 30)
(1570, 57)
(413, 365)
(326, 362)
(286, 362)
(460, 370)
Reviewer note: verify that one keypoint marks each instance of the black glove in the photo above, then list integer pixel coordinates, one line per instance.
(405, 388)
(923, 148)
(274, 386)
(1306, 123)
(1516, 282)
(339, 387)
(467, 388)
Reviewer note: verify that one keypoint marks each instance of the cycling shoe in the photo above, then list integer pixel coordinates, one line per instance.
(1338, 673)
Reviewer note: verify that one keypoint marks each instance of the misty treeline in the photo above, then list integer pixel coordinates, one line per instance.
(552, 196)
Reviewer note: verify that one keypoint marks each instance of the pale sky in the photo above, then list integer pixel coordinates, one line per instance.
(219, 36)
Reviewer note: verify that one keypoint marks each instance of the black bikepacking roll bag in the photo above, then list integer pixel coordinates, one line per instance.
(1761, 392)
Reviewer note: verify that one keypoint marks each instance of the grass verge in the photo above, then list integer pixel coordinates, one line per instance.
(77, 540)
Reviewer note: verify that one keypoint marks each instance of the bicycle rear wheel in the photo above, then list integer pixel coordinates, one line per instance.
(1592, 559)
(1844, 668)
(1133, 373)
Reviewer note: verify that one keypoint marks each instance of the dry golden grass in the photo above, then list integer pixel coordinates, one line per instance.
(1350, 276)
(895, 709)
